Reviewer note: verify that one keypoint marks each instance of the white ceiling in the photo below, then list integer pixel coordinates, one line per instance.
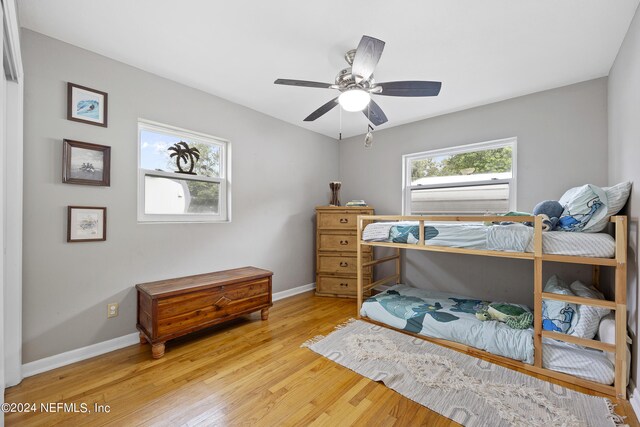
(482, 51)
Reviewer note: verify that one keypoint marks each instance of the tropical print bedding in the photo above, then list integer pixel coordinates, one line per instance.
(452, 317)
(442, 315)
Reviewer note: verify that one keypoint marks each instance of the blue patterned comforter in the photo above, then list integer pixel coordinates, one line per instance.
(447, 316)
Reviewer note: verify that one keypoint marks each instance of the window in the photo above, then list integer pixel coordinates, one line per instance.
(198, 193)
(472, 179)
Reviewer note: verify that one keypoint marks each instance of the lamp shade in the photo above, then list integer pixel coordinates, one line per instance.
(354, 99)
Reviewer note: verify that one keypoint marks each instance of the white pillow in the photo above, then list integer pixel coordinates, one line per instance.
(583, 206)
(588, 316)
(616, 199)
(607, 334)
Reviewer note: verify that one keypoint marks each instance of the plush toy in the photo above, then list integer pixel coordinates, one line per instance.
(551, 211)
(513, 315)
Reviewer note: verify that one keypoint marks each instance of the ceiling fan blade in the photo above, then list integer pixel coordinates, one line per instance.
(367, 56)
(409, 88)
(303, 83)
(322, 110)
(374, 113)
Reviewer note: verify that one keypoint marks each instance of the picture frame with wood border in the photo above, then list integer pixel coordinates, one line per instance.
(86, 224)
(87, 105)
(85, 163)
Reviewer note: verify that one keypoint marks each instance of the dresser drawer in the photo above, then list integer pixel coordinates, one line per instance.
(340, 264)
(337, 242)
(338, 220)
(338, 285)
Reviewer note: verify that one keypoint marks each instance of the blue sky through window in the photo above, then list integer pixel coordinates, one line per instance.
(154, 154)
(153, 151)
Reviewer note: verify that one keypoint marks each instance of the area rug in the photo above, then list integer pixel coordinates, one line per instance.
(470, 391)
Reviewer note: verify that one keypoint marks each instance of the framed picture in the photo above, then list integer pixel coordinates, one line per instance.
(86, 105)
(86, 224)
(85, 163)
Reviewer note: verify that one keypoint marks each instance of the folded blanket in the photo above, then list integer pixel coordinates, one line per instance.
(379, 231)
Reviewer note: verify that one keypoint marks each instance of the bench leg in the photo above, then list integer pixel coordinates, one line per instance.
(264, 313)
(157, 350)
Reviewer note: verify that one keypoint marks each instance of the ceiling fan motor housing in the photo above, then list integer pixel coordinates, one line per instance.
(346, 80)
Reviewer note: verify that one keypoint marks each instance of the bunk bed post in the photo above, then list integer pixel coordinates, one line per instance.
(596, 276)
(398, 266)
(537, 291)
(359, 264)
(621, 306)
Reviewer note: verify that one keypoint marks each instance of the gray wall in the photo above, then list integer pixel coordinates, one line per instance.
(624, 155)
(280, 172)
(562, 142)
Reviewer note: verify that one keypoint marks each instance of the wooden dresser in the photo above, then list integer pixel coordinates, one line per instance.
(170, 308)
(336, 247)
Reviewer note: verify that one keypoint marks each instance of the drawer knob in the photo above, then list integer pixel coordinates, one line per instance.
(344, 220)
(344, 284)
(344, 242)
(344, 264)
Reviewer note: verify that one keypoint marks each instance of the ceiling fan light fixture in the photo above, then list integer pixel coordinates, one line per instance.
(354, 99)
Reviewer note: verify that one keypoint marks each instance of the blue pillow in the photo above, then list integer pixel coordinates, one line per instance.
(558, 316)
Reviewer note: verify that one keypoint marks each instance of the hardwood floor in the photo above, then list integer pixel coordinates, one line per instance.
(247, 372)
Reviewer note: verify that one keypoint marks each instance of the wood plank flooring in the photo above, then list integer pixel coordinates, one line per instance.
(247, 372)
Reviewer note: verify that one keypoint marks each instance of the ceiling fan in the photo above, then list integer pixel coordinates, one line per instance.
(356, 84)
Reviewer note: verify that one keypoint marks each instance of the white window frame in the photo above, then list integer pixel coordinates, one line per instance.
(224, 202)
(407, 159)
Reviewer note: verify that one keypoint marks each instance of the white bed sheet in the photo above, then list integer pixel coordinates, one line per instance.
(510, 238)
(585, 363)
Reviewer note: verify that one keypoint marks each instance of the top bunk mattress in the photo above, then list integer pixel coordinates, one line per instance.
(508, 238)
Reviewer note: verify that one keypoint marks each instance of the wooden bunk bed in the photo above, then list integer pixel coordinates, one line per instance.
(619, 305)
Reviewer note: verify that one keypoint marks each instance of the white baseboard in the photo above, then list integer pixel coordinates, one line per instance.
(72, 356)
(68, 357)
(634, 397)
(294, 291)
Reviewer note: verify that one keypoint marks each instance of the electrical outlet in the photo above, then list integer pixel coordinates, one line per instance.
(112, 309)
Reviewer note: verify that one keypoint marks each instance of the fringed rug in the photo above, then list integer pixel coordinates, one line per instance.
(468, 390)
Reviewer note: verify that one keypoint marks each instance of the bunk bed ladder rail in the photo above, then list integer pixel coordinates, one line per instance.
(619, 306)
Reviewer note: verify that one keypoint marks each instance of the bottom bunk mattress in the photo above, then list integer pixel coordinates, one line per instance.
(452, 317)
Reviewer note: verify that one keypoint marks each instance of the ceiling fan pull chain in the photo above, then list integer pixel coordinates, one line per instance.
(368, 138)
(340, 139)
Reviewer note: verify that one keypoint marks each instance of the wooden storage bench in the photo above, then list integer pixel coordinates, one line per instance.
(171, 308)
